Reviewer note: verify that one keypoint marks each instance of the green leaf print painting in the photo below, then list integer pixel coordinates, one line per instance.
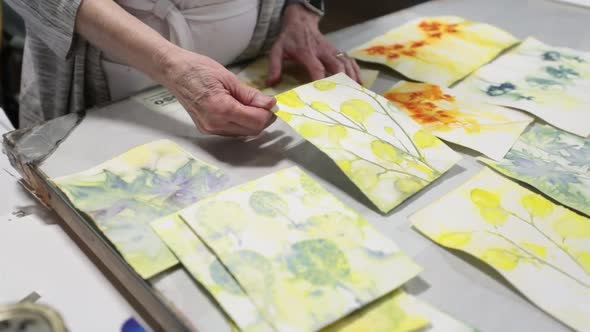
(553, 161)
(302, 257)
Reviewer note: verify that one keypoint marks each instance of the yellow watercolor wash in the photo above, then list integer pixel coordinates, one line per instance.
(255, 75)
(305, 263)
(537, 206)
(145, 183)
(536, 249)
(454, 239)
(500, 258)
(384, 315)
(439, 50)
(542, 248)
(486, 128)
(379, 148)
(210, 273)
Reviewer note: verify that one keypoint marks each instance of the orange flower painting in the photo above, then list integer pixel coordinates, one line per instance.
(439, 50)
(488, 129)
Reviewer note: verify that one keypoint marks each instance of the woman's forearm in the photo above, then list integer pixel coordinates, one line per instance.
(123, 37)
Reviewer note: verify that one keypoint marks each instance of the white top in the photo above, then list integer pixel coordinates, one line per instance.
(220, 29)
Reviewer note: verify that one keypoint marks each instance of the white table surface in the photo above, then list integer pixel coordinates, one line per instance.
(457, 284)
(36, 255)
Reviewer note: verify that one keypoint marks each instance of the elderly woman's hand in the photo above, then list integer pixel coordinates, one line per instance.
(216, 100)
(301, 40)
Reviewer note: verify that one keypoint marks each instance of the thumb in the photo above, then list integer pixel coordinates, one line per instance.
(250, 96)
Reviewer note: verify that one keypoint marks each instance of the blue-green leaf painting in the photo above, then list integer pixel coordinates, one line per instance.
(547, 81)
(124, 194)
(553, 161)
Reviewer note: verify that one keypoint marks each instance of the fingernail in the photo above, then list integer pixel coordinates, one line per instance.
(262, 101)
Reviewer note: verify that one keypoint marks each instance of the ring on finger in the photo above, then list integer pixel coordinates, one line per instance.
(341, 55)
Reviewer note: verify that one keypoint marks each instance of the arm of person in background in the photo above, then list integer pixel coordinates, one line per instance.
(216, 101)
(300, 40)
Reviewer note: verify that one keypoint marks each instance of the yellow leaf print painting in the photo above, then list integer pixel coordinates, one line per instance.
(383, 151)
(483, 127)
(439, 50)
(255, 75)
(145, 183)
(304, 258)
(540, 247)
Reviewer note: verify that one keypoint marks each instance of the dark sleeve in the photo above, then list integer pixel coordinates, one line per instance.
(52, 21)
(316, 6)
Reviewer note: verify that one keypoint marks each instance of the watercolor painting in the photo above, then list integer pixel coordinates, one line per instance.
(398, 312)
(303, 257)
(255, 75)
(543, 249)
(210, 273)
(439, 50)
(549, 82)
(145, 183)
(553, 161)
(395, 312)
(483, 127)
(383, 152)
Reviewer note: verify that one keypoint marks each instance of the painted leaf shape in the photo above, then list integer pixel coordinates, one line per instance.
(310, 129)
(389, 130)
(320, 106)
(500, 258)
(268, 204)
(536, 205)
(357, 109)
(324, 85)
(318, 261)
(286, 116)
(485, 198)
(420, 168)
(364, 177)
(345, 165)
(223, 278)
(407, 186)
(494, 216)
(572, 225)
(536, 249)
(424, 139)
(251, 269)
(228, 214)
(584, 259)
(385, 151)
(454, 239)
(337, 132)
(290, 99)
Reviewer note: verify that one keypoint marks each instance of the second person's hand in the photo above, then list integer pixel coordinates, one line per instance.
(301, 40)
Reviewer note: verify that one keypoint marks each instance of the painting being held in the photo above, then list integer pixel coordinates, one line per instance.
(383, 151)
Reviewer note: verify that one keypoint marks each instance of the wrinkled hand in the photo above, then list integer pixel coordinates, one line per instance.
(215, 99)
(301, 40)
